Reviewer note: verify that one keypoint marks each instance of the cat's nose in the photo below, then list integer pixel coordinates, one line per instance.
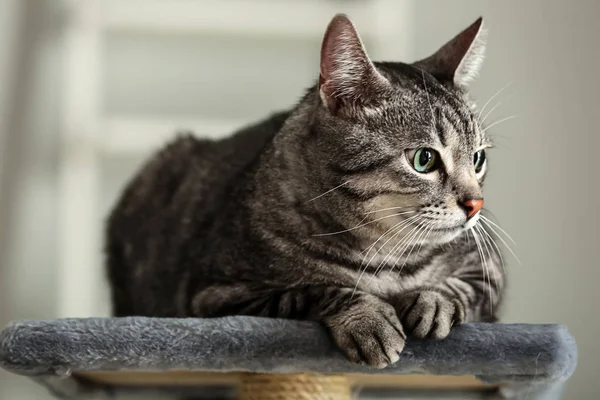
(472, 207)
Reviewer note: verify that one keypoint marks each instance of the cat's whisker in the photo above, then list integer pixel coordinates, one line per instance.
(409, 221)
(360, 225)
(472, 231)
(367, 250)
(389, 208)
(329, 191)
(493, 97)
(488, 268)
(489, 253)
(393, 251)
(498, 252)
(489, 221)
(416, 240)
(399, 250)
(363, 267)
(495, 272)
(425, 238)
(483, 266)
(399, 245)
(492, 110)
(502, 240)
(405, 223)
(398, 227)
(453, 241)
(498, 122)
(422, 238)
(413, 241)
(487, 210)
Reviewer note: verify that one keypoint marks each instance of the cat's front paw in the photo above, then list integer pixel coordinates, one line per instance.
(368, 333)
(428, 313)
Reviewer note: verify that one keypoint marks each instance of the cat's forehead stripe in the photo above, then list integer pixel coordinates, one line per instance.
(458, 128)
(440, 128)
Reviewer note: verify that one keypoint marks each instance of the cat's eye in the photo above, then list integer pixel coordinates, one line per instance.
(479, 160)
(424, 159)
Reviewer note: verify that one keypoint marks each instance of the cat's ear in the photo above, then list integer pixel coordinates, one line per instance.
(348, 79)
(459, 60)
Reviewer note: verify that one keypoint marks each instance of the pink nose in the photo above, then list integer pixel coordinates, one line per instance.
(473, 207)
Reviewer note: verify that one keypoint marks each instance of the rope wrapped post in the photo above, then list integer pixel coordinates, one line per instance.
(293, 387)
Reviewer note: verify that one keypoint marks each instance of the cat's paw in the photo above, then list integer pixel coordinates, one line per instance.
(368, 333)
(429, 313)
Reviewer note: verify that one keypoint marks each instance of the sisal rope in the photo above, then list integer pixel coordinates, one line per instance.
(293, 387)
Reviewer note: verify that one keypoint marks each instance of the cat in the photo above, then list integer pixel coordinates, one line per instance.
(360, 208)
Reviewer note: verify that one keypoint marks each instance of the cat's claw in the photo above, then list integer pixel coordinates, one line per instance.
(429, 313)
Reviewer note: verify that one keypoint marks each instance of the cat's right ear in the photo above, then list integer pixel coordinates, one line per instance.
(348, 80)
(458, 61)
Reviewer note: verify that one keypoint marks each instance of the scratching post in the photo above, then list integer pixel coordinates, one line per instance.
(270, 359)
(293, 387)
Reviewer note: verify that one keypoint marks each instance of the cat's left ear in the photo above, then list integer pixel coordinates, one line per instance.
(458, 61)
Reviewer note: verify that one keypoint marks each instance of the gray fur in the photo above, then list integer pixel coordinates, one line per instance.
(291, 218)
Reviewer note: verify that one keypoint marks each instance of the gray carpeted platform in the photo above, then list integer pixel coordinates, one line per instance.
(542, 356)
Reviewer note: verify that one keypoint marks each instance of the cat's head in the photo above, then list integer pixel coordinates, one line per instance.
(401, 142)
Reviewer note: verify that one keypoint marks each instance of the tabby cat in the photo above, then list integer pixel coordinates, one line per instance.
(360, 208)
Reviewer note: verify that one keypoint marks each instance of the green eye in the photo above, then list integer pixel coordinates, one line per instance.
(479, 160)
(425, 160)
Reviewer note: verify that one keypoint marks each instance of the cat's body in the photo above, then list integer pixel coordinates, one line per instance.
(311, 214)
(175, 199)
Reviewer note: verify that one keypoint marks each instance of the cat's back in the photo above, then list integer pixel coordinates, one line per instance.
(191, 170)
(178, 191)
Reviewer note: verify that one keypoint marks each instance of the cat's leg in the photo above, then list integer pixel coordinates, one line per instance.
(365, 327)
(431, 311)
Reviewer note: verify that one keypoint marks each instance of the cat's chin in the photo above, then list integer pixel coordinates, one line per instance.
(445, 235)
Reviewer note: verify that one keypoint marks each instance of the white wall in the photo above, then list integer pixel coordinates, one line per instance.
(543, 184)
(28, 129)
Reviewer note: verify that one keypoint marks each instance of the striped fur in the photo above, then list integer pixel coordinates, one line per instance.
(316, 213)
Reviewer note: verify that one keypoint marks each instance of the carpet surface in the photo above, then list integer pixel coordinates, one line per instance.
(516, 353)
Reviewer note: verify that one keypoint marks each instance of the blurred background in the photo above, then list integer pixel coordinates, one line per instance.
(88, 89)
